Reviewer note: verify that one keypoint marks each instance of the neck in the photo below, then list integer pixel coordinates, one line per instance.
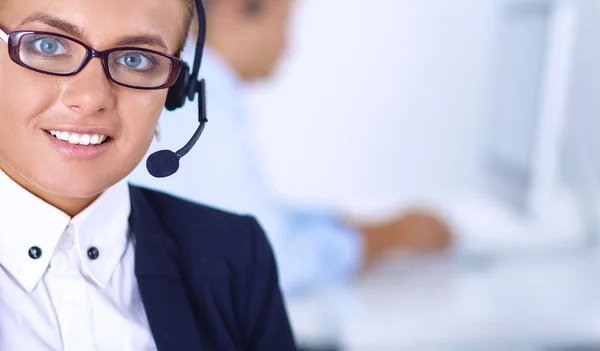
(69, 205)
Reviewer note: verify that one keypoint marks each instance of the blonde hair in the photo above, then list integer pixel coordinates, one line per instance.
(190, 21)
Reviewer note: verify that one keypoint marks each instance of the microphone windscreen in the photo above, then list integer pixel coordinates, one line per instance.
(162, 163)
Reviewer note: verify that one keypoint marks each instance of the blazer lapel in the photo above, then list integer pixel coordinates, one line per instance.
(162, 287)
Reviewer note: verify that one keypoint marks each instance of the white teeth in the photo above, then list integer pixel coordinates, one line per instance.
(74, 138)
(79, 139)
(84, 139)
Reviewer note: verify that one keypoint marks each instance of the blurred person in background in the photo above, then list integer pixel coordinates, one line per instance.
(245, 40)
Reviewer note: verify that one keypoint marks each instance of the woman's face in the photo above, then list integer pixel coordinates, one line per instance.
(33, 104)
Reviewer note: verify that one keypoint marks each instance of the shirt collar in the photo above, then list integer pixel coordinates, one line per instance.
(104, 226)
(27, 222)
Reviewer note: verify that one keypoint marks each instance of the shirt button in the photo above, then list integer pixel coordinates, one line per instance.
(93, 253)
(35, 252)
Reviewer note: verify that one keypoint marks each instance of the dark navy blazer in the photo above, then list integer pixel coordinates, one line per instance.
(207, 278)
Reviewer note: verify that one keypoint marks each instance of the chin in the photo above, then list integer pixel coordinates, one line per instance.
(260, 75)
(76, 190)
(80, 185)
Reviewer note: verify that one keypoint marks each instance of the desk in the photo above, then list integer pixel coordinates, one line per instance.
(468, 304)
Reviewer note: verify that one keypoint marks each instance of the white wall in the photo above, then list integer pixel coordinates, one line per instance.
(371, 107)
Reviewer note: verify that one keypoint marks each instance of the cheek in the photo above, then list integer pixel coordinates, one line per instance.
(277, 39)
(25, 96)
(139, 122)
(275, 48)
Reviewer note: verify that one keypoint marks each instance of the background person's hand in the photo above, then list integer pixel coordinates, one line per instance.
(421, 232)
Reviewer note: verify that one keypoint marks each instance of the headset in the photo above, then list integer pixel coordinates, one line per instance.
(164, 163)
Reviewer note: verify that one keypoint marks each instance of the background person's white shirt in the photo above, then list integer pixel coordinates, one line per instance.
(312, 248)
(53, 294)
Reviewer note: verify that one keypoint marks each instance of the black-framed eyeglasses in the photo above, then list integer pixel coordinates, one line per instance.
(59, 55)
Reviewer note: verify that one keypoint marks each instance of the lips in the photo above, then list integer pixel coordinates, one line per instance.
(80, 144)
(79, 139)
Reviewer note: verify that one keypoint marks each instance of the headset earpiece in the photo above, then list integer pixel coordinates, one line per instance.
(178, 93)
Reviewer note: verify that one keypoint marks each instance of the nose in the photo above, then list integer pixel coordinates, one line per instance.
(89, 91)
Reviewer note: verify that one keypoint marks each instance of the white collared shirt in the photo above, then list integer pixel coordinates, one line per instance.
(68, 283)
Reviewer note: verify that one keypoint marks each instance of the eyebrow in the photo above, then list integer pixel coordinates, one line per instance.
(57, 23)
(76, 32)
(145, 39)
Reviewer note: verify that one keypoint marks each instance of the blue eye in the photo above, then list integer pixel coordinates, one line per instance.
(49, 46)
(133, 61)
(136, 61)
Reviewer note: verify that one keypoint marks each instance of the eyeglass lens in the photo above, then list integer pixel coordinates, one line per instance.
(59, 55)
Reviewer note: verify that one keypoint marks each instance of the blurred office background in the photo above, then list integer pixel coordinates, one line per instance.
(484, 110)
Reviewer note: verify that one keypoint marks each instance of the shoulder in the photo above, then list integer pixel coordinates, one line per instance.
(190, 212)
(226, 261)
(209, 237)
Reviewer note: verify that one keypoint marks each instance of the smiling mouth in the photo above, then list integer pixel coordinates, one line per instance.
(79, 139)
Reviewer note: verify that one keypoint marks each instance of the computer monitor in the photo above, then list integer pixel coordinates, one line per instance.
(530, 94)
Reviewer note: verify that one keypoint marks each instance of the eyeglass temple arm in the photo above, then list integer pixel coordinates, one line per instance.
(3, 36)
